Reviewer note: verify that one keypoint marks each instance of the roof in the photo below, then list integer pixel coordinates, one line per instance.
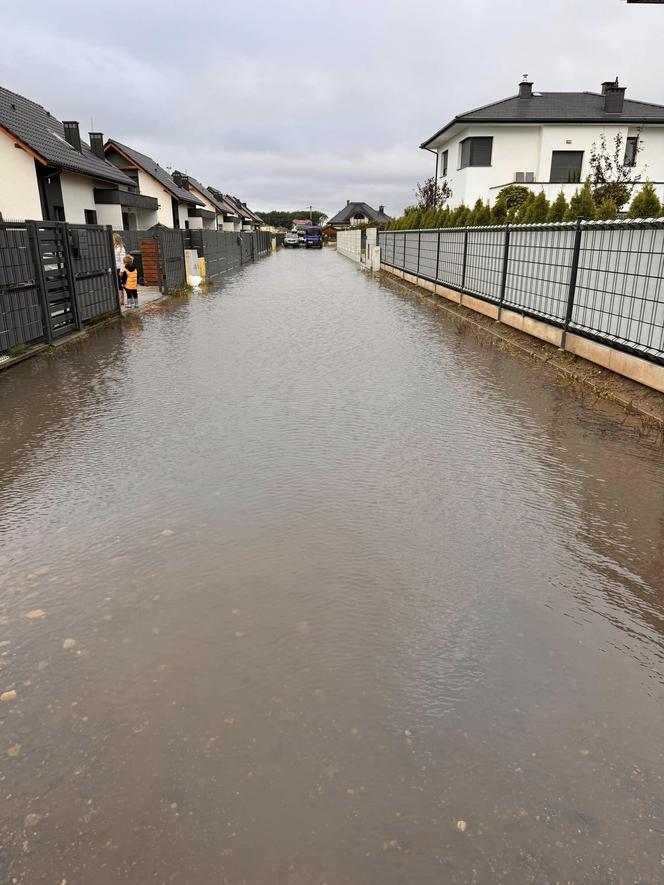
(229, 207)
(557, 107)
(209, 196)
(147, 164)
(351, 209)
(39, 130)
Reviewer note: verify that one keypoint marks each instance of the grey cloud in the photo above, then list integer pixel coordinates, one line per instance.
(290, 103)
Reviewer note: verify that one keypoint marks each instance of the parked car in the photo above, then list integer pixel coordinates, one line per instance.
(301, 230)
(314, 237)
(291, 240)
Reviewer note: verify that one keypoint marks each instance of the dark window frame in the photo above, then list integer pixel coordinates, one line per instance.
(444, 158)
(631, 150)
(572, 175)
(470, 151)
(90, 216)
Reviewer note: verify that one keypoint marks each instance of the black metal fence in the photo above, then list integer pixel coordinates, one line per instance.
(602, 280)
(54, 279)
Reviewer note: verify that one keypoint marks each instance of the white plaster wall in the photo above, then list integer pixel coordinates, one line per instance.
(183, 209)
(195, 223)
(109, 214)
(19, 191)
(151, 188)
(529, 149)
(77, 196)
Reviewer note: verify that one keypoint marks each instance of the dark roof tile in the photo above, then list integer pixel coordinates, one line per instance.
(147, 164)
(39, 130)
(351, 209)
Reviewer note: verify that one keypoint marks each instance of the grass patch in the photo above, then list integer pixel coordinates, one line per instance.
(18, 350)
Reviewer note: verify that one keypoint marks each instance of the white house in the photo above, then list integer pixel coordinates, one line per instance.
(543, 140)
(210, 214)
(47, 172)
(171, 202)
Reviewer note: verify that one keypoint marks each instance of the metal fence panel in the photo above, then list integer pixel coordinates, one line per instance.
(618, 294)
(538, 271)
(484, 262)
(93, 262)
(604, 280)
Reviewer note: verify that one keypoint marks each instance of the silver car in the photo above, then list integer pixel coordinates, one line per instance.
(291, 240)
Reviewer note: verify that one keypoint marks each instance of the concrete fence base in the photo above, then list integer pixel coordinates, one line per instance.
(628, 365)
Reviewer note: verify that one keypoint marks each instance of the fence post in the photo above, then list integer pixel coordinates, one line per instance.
(71, 275)
(572, 283)
(419, 246)
(437, 255)
(503, 281)
(40, 282)
(403, 265)
(465, 256)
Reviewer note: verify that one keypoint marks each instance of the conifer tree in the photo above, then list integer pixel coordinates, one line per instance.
(539, 209)
(499, 212)
(558, 209)
(523, 215)
(581, 205)
(607, 210)
(646, 203)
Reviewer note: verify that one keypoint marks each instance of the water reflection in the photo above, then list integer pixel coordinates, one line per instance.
(319, 570)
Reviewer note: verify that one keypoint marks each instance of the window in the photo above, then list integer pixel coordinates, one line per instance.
(631, 150)
(443, 163)
(90, 216)
(475, 151)
(566, 166)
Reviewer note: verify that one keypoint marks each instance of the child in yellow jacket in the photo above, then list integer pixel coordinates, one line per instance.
(129, 280)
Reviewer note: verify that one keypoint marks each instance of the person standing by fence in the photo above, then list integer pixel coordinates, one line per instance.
(120, 253)
(129, 280)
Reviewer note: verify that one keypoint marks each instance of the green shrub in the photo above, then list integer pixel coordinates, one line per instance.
(558, 209)
(646, 203)
(613, 191)
(581, 205)
(539, 209)
(513, 196)
(607, 210)
(525, 209)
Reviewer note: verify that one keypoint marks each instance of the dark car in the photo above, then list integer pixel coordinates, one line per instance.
(314, 237)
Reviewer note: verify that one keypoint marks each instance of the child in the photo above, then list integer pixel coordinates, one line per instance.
(129, 280)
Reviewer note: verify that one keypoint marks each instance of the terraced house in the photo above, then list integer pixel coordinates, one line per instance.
(543, 140)
(48, 172)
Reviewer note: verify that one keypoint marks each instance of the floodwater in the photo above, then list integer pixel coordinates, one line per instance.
(324, 589)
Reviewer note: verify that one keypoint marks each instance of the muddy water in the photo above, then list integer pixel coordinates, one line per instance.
(324, 590)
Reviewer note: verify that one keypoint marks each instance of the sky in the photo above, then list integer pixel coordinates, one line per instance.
(289, 103)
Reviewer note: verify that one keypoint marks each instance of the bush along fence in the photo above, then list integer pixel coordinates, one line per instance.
(55, 278)
(565, 283)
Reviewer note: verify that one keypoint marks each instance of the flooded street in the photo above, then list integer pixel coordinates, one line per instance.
(324, 589)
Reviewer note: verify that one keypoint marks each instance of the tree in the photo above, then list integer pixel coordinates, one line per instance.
(499, 212)
(459, 217)
(607, 211)
(480, 214)
(522, 215)
(612, 172)
(582, 204)
(539, 209)
(512, 197)
(558, 209)
(432, 195)
(646, 203)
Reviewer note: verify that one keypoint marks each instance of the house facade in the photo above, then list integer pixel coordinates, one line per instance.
(543, 140)
(48, 172)
(169, 202)
(354, 214)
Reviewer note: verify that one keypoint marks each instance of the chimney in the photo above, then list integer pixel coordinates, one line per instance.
(97, 143)
(180, 179)
(614, 97)
(381, 209)
(525, 89)
(348, 202)
(72, 135)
